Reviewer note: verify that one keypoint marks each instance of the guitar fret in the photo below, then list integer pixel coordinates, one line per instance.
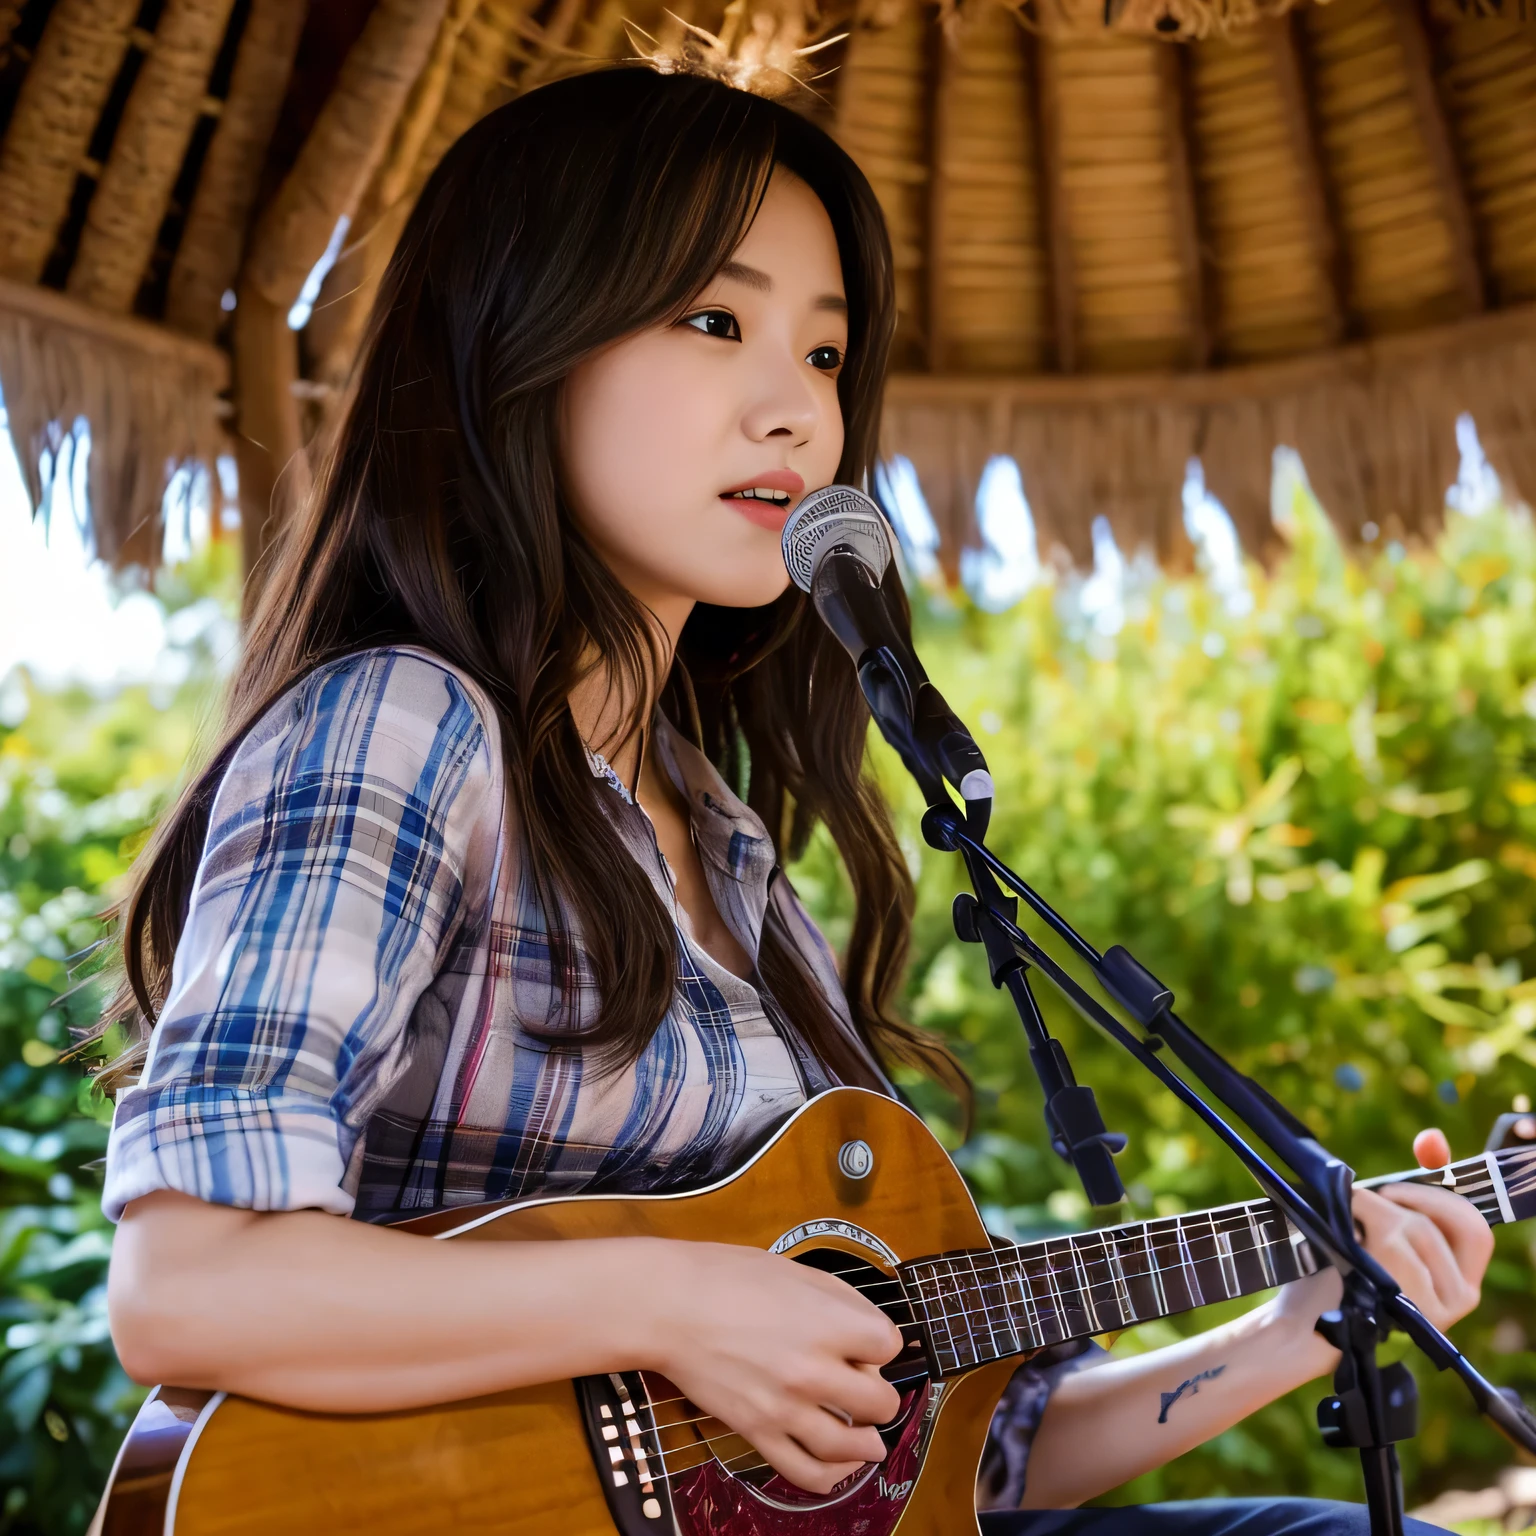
(1084, 1286)
(1058, 1308)
(1228, 1262)
(1260, 1247)
(989, 1304)
(1155, 1270)
(988, 1308)
(965, 1317)
(1496, 1178)
(1010, 1320)
(1122, 1285)
(1187, 1264)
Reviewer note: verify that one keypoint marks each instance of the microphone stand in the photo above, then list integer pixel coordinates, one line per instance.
(839, 561)
(1372, 1407)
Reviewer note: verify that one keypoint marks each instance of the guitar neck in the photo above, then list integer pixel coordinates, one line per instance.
(987, 1304)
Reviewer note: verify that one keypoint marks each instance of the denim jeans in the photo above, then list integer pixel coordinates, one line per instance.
(1197, 1517)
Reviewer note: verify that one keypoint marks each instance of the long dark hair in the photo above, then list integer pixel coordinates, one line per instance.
(575, 215)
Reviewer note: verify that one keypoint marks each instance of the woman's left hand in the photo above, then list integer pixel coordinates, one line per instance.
(1432, 1242)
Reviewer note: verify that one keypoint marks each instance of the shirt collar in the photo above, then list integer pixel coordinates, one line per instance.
(728, 833)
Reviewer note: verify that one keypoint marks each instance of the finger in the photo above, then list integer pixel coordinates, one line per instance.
(792, 1461)
(1384, 1222)
(861, 1330)
(830, 1440)
(866, 1396)
(1413, 1250)
(1452, 1293)
(1470, 1236)
(1432, 1148)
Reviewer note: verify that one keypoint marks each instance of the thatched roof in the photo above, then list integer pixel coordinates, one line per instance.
(1125, 233)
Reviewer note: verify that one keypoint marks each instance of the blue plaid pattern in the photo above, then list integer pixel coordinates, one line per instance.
(345, 1025)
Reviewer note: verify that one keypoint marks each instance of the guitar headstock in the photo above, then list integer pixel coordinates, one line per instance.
(1513, 1138)
(1517, 1128)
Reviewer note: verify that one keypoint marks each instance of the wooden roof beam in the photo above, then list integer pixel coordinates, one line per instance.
(1194, 249)
(151, 141)
(338, 158)
(1290, 67)
(66, 86)
(1419, 66)
(945, 84)
(208, 256)
(344, 148)
(1045, 94)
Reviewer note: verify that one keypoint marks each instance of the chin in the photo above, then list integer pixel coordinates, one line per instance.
(745, 589)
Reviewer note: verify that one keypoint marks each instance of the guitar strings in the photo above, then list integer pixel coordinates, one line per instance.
(1042, 1304)
(994, 1265)
(968, 1286)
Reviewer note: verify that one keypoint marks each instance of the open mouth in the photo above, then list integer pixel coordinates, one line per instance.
(760, 493)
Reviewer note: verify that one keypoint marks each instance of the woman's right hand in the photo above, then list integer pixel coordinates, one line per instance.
(776, 1350)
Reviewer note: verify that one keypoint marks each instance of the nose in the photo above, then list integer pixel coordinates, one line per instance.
(783, 404)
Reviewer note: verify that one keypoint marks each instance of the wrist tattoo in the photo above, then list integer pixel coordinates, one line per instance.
(1191, 1386)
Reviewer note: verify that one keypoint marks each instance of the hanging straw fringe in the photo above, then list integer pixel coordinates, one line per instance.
(151, 398)
(1374, 424)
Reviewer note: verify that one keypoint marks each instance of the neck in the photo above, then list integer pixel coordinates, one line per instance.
(1010, 1299)
(611, 710)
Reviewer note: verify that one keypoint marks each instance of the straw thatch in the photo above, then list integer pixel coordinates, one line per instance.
(1374, 423)
(150, 396)
(468, 67)
(1115, 247)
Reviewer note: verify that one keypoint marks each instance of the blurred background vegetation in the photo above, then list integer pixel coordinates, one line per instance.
(1305, 797)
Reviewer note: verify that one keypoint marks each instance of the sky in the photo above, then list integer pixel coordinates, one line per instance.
(61, 615)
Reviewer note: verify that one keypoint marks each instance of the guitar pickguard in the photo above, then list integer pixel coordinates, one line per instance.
(666, 1470)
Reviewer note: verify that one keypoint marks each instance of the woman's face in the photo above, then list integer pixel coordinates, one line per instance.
(667, 433)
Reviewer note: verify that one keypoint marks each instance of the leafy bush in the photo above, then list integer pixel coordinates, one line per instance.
(1314, 817)
(1312, 812)
(80, 779)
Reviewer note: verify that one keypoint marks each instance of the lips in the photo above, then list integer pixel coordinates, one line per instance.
(766, 498)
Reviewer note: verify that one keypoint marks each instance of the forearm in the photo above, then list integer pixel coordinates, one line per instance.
(1110, 1423)
(318, 1312)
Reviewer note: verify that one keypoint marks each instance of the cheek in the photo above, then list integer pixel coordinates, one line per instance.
(637, 432)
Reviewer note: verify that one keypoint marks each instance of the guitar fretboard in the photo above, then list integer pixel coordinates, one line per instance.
(987, 1304)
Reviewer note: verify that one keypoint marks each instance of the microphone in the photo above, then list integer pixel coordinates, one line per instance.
(838, 549)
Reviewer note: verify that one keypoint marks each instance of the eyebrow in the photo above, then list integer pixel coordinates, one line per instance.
(751, 277)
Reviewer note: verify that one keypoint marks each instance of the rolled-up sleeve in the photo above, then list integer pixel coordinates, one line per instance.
(332, 880)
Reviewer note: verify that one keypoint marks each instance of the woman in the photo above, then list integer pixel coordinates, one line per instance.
(466, 906)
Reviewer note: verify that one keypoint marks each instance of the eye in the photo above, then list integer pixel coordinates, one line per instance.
(714, 322)
(827, 359)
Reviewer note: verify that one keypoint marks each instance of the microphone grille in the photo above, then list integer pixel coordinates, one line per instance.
(836, 514)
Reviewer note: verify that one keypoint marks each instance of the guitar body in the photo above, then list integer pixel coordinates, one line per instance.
(852, 1179)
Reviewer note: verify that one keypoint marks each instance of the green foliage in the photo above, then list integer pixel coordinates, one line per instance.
(80, 779)
(1316, 821)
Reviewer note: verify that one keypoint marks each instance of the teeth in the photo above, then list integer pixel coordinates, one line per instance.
(759, 493)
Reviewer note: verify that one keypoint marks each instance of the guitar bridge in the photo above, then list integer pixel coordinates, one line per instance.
(621, 1433)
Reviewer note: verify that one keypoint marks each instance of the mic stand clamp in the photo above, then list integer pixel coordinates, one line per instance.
(1373, 1406)
(1077, 1130)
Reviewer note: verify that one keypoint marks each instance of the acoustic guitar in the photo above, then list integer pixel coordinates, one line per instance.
(854, 1184)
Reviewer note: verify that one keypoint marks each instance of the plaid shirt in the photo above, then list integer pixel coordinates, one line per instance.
(345, 1025)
